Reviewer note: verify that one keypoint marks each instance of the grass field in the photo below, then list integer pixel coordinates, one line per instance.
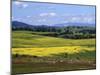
(25, 39)
(37, 53)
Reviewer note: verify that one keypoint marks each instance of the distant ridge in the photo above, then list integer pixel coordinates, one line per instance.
(21, 24)
(75, 24)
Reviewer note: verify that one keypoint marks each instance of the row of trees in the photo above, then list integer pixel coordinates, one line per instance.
(74, 32)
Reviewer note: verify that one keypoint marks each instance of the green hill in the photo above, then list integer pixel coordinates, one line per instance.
(28, 39)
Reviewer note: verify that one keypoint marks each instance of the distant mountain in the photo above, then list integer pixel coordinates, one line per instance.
(24, 26)
(17, 24)
(21, 24)
(74, 24)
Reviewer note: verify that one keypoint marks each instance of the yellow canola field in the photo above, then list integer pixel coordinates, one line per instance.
(50, 50)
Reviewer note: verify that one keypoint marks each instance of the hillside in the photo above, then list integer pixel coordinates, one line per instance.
(30, 39)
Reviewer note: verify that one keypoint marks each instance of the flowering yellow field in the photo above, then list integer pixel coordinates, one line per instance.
(50, 50)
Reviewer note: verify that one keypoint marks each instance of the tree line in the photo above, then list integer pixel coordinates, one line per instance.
(73, 32)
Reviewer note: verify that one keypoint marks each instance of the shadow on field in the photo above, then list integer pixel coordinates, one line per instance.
(87, 55)
(56, 62)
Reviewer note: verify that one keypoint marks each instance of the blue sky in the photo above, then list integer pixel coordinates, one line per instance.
(36, 13)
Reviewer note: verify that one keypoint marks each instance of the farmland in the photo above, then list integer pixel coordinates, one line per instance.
(49, 37)
(50, 50)
(34, 52)
(28, 39)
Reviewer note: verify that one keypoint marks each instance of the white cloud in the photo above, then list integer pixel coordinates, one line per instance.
(52, 14)
(17, 3)
(88, 19)
(82, 19)
(42, 20)
(28, 16)
(21, 4)
(48, 14)
(75, 18)
(65, 21)
(24, 5)
(18, 19)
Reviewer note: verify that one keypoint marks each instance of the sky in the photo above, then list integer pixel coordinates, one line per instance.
(38, 13)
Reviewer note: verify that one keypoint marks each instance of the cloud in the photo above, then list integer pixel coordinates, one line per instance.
(20, 4)
(75, 19)
(42, 20)
(52, 14)
(17, 3)
(18, 19)
(48, 14)
(82, 18)
(24, 5)
(88, 19)
(28, 16)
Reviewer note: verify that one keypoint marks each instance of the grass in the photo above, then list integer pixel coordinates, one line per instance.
(60, 62)
(32, 52)
(47, 67)
(28, 43)
(25, 39)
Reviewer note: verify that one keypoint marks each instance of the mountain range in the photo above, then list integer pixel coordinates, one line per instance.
(18, 24)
